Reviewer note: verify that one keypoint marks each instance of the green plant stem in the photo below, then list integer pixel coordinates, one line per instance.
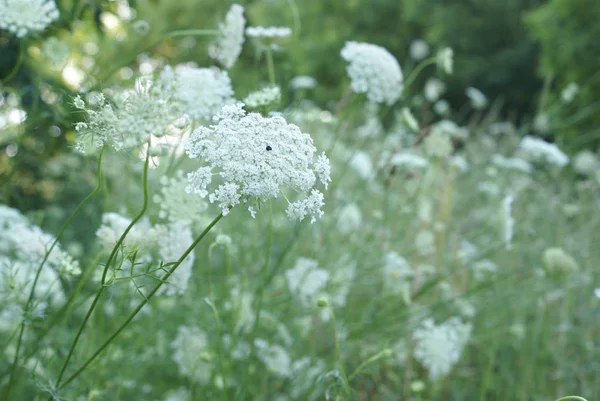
(220, 348)
(338, 353)
(41, 266)
(17, 67)
(572, 397)
(415, 73)
(142, 304)
(270, 66)
(108, 263)
(383, 354)
(260, 295)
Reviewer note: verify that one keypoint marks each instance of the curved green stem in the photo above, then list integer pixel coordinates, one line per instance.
(338, 353)
(220, 348)
(572, 397)
(383, 354)
(141, 305)
(415, 73)
(106, 267)
(41, 266)
(17, 66)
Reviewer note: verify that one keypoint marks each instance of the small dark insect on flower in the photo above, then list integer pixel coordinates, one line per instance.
(269, 147)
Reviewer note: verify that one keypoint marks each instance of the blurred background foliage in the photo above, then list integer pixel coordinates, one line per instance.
(520, 53)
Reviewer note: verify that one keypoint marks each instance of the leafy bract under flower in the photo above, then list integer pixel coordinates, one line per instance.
(256, 158)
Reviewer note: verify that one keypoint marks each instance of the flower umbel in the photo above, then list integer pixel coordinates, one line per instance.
(256, 158)
(24, 16)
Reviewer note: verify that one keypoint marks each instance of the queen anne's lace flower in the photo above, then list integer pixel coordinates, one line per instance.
(270, 32)
(23, 16)
(439, 348)
(542, 151)
(478, 99)
(275, 358)
(130, 120)
(177, 205)
(191, 353)
(397, 274)
(374, 71)
(306, 280)
(264, 97)
(228, 46)
(256, 158)
(198, 92)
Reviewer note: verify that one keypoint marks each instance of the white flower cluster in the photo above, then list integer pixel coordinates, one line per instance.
(306, 280)
(24, 16)
(541, 151)
(275, 358)
(270, 32)
(191, 353)
(150, 245)
(256, 158)
(374, 71)
(439, 348)
(131, 119)
(303, 82)
(478, 99)
(198, 92)
(511, 163)
(267, 96)
(229, 44)
(176, 204)
(22, 250)
(586, 162)
(349, 219)
(508, 220)
(397, 274)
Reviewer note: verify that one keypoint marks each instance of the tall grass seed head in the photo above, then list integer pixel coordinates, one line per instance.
(374, 71)
(22, 17)
(257, 157)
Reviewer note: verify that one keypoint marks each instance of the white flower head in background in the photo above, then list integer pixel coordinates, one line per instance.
(362, 164)
(419, 49)
(434, 88)
(374, 71)
(511, 163)
(439, 348)
(257, 158)
(303, 82)
(409, 119)
(539, 150)
(229, 44)
(271, 32)
(306, 280)
(268, 96)
(478, 99)
(177, 205)
(198, 92)
(397, 274)
(586, 162)
(349, 219)
(133, 118)
(25, 16)
(438, 143)
(408, 160)
(442, 107)
(568, 94)
(275, 358)
(191, 353)
(445, 60)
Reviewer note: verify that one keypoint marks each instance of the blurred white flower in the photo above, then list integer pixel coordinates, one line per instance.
(438, 144)
(303, 82)
(275, 358)
(349, 219)
(408, 160)
(434, 88)
(541, 151)
(191, 353)
(569, 92)
(270, 32)
(442, 107)
(419, 49)
(511, 163)
(439, 348)
(558, 262)
(257, 158)
(374, 71)
(478, 99)
(306, 280)
(397, 274)
(586, 162)
(410, 120)
(177, 205)
(541, 123)
(445, 60)
(425, 242)
(24, 16)
(175, 240)
(228, 46)
(270, 95)
(198, 92)
(362, 164)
